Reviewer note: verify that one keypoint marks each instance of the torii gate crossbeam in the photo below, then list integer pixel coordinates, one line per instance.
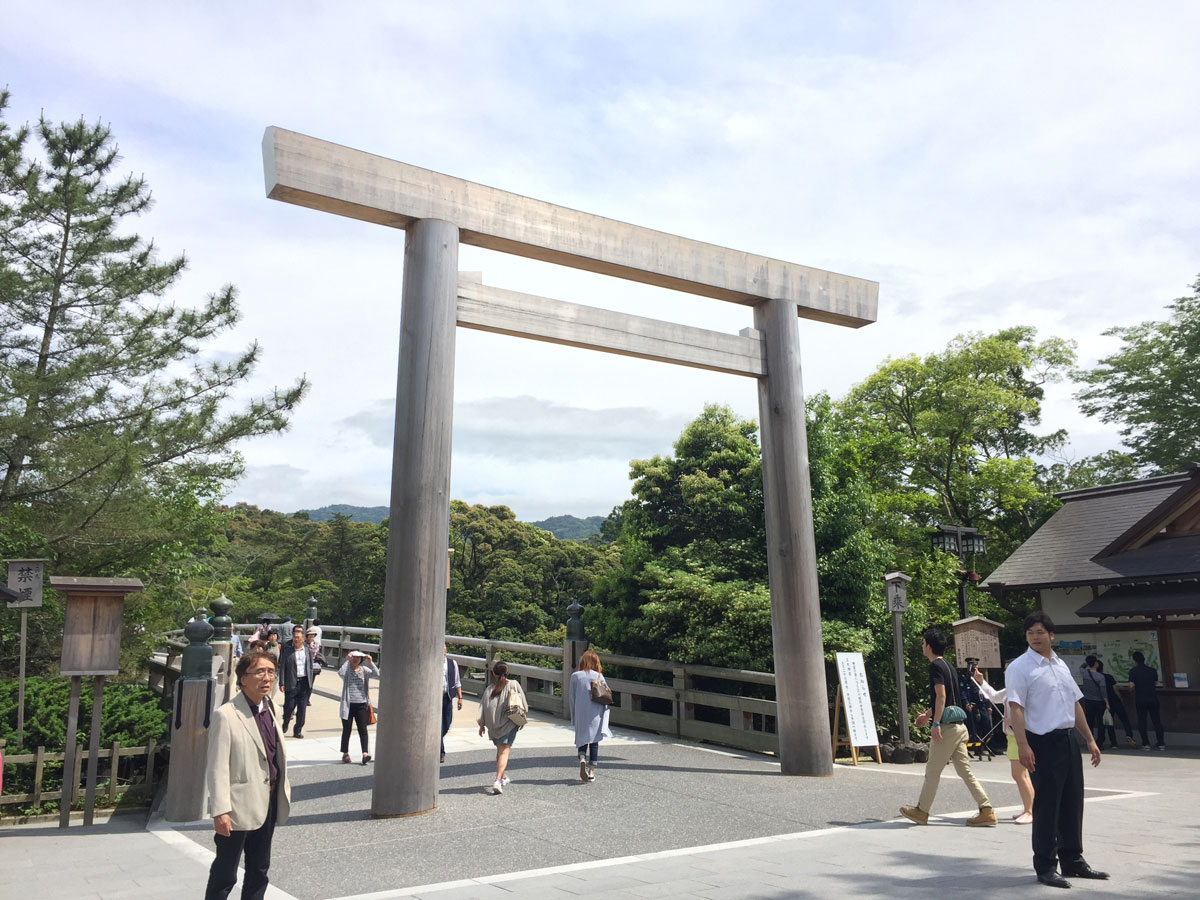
(438, 212)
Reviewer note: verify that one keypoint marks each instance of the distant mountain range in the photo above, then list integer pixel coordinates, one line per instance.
(566, 528)
(375, 514)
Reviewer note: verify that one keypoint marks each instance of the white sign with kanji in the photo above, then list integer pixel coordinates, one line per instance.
(856, 698)
(25, 578)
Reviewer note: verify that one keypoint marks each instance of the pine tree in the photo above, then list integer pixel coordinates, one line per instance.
(104, 402)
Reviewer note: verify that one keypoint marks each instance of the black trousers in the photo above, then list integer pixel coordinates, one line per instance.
(296, 700)
(1094, 710)
(1149, 707)
(257, 847)
(1118, 711)
(358, 715)
(1057, 799)
(447, 717)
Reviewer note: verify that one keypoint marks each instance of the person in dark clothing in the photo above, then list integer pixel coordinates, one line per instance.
(1117, 708)
(295, 680)
(1143, 680)
(1095, 700)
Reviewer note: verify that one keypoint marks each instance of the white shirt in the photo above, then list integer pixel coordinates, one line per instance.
(1045, 689)
(999, 697)
(301, 659)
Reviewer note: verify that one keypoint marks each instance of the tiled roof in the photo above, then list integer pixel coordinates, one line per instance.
(1144, 600)
(1061, 552)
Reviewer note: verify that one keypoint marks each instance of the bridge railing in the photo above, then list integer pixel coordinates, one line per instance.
(731, 707)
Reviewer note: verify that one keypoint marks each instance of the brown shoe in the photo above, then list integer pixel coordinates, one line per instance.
(915, 814)
(987, 816)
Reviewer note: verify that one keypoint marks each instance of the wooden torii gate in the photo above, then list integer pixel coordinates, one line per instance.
(438, 213)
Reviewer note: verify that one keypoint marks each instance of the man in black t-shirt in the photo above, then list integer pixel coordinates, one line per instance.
(1143, 679)
(949, 742)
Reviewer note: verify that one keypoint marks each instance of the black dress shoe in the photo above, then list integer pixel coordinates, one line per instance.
(1053, 879)
(1083, 870)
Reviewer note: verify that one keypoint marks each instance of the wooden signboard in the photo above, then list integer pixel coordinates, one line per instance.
(979, 639)
(854, 698)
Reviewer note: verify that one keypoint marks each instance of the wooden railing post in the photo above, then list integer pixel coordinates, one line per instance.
(679, 680)
(38, 766)
(115, 761)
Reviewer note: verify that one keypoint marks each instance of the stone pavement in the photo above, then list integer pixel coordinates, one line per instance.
(662, 820)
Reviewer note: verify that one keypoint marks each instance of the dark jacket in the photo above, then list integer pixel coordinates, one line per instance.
(288, 666)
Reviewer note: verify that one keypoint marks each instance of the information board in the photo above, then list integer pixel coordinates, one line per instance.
(856, 698)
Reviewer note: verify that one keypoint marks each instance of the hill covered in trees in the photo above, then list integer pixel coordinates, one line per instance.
(571, 528)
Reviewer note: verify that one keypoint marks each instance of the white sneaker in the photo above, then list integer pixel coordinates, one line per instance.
(504, 781)
(497, 787)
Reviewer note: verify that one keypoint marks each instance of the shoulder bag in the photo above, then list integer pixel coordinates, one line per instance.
(600, 692)
(514, 705)
(953, 714)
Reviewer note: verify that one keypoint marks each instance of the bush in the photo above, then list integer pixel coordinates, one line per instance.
(130, 715)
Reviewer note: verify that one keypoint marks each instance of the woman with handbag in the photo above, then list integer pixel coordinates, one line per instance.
(356, 673)
(590, 700)
(503, 711)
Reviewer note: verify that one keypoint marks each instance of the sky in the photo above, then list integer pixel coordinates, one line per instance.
(989, 165)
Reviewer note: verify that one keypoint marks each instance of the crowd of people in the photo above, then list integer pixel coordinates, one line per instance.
(1047, 719)
(248, 788)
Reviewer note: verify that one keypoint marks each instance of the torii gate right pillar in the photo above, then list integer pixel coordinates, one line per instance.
(802, 704)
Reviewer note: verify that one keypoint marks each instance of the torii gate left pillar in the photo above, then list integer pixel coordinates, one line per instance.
(438, 212)
(414, 616)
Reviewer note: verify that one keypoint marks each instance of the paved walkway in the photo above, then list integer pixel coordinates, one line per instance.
(662, 820)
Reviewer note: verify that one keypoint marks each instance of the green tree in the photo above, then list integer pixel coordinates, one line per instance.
(106, 408)
(692, 586)
(1151, 387)
(951, 436)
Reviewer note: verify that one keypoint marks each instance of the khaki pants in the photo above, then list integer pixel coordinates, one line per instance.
(952, 748)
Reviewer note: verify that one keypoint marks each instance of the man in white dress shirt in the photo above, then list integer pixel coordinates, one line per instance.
(1043, 704)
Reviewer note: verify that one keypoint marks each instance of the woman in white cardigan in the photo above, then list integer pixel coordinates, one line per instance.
(356, 673)
(589, 717)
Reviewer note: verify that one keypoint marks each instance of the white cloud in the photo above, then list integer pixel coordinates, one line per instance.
(990, 166)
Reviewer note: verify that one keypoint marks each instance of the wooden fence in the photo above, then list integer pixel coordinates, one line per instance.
(731, 707)
(109, 785)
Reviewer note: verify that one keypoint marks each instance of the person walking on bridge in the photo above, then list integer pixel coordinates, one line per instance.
(248, 790)
(588, 716)
(356, 673)
(502, 712)
(451, 690)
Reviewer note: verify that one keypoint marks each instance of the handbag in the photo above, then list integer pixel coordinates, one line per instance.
(600, 692)
(1107, 718)
(515, 707)
(953, 714)
(371, 718)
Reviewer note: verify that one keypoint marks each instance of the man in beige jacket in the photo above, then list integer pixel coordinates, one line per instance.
(248, 791)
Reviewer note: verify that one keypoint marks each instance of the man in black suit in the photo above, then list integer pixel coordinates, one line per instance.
(296, 664)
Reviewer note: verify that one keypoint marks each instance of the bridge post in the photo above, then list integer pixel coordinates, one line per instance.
(414, 615)
(802, 704)
(191, 714)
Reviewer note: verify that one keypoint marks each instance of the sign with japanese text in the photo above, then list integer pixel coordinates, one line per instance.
(856, 698)
(25, 578)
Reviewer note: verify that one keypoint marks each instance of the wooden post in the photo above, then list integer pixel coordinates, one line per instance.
(21, 686)
(800, 693)
(89, 803)
(414, 616)
(115, 761)
(71, 760)
(151, 749)
(38, 765)
(901, 686)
